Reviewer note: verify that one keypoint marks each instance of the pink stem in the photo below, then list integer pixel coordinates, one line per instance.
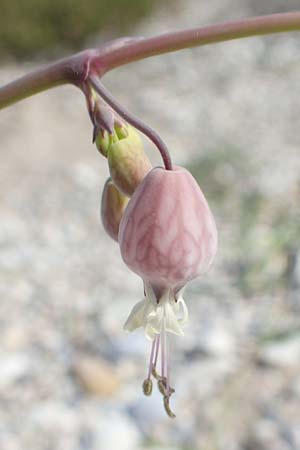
(134, 121)
(75, 69)
(211, 34)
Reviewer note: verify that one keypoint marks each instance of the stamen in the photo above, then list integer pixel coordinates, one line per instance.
(163, 344)
(168, 322)
(167, 344)
(162, 387)
(147, 387)
(157, 339)
(167, 407)
(147, 384)
(155, 374)
(151, 358)
(161, 384)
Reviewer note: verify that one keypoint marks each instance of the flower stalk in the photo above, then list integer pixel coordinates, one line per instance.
(130, 118)
(75, 69)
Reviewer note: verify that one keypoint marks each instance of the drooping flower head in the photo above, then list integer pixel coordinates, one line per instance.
(167, 236)
(166, 233)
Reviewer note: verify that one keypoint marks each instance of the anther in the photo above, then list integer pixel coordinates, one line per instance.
(147, 387)
(167, 407)
(162, 387)
(155, 374)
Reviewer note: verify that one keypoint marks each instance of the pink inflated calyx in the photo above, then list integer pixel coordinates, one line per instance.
(168, 236)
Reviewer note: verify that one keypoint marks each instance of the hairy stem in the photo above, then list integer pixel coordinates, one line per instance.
(76, 68)
(130, 118)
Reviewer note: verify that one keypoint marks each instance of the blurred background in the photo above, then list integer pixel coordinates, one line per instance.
(70, 378)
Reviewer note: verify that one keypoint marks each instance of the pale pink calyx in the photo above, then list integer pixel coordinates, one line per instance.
(167, 234)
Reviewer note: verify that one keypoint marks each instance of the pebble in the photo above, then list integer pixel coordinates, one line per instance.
(117, 431)
(14, 366)
(96, 376)
(283, 354)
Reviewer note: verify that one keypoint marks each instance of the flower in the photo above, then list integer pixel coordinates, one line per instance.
(168, 236)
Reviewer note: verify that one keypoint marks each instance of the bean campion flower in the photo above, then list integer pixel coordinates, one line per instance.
(168, 236)
(165, 231)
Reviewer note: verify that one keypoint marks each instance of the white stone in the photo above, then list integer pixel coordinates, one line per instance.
(285, 353)
(13, 367)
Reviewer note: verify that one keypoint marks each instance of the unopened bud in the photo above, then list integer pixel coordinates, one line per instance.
(128, 163)
(108, 126)
(122, 130)
(113, 204)
(103, 141)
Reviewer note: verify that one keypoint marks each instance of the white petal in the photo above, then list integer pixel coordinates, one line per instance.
(172, 325)
(152, 315)
(136, 317)
(150, 333)
(150, 295)
(185, 314)
(154, 318)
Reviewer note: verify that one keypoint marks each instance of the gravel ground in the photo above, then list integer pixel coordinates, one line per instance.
(70, 378)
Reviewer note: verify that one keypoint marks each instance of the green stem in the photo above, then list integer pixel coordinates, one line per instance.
(75, 69)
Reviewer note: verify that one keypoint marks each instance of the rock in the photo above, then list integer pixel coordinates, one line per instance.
(117, 431)
(218, 342)
(266, 436)
(13, 367)
(282, 354)
(53, 415)
(148, 412)
(160, 448)
(15, 338)
(96, 376)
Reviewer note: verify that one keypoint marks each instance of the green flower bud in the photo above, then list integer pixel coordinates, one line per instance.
(122, 130)
(103, 141)
(113, 204)
(128, 163)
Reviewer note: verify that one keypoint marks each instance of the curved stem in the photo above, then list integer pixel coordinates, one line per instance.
(75, 69)
(130, 118)
(72, 70)
(211, 34)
